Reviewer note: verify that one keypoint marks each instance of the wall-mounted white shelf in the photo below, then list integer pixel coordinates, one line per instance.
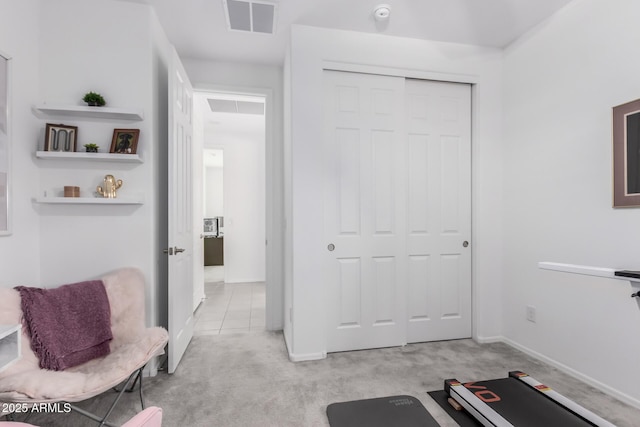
(10, 350)
(112, 113)
(95, 157)
(609, 273)
(89, 201)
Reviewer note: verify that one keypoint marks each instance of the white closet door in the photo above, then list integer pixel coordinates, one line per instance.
(439, 210)
(397, 210)
(365, 216)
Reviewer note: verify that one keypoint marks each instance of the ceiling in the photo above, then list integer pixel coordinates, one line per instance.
(198, 28)
(222, 125)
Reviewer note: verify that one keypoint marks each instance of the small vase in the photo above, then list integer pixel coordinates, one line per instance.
(92, 104)
(91, 150)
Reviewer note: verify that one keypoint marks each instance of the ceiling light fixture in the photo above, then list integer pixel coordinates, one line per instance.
(382, 12)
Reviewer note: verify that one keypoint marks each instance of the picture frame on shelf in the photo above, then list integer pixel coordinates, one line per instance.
(626, 155)
(61, 138)
(125, 141)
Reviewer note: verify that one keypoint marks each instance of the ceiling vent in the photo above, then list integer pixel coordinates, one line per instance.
(251, 16)
(237, 107)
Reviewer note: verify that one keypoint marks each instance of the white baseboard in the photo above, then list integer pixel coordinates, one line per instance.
(151, 369)
(488, 340)
(303, 357)
(306, 357)
(623, 397)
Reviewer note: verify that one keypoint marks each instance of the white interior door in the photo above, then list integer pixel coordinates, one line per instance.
(364, 212)
(438, 120)
(397, 210)
(198, 206)
(180, 208)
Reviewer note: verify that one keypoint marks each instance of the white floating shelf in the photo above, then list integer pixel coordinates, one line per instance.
(96, 157)
(586, 270)
(92, 112)
(89, 201)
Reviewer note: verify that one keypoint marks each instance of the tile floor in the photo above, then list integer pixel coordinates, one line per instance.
(230, 307)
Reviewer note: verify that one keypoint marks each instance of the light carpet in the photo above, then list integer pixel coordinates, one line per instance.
(247, 380)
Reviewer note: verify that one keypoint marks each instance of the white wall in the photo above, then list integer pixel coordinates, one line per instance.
(59, 55)
(262, 80)
(84, 241)
(311, 50)
(214, 194)
(560, 85)
(20, 252)
(158, 105)
(287, 202)
(244, 202)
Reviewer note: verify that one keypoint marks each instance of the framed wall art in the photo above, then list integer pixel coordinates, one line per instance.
(5, 146)
(125, 141)
(60, 138)
(626, 155)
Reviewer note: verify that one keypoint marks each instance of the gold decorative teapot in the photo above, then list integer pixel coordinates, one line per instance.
(109, 187)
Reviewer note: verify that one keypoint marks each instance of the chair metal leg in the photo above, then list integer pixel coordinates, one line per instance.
(103, 420)
(92, 416)
(141, 397)
(139, 377)
(135, 376)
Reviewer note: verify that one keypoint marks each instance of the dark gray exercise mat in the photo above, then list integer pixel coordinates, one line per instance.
(392, 411)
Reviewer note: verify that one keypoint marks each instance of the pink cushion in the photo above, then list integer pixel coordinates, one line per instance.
(150, 417)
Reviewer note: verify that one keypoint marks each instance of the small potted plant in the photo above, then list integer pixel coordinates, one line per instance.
(94, 99)
(91, 147)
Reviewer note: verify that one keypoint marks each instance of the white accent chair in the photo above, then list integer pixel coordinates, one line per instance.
(132, 347)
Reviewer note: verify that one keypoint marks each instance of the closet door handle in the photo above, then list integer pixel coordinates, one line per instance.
(331, 247)
(178, 250)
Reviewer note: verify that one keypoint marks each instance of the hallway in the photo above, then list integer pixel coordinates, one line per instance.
(230, 308)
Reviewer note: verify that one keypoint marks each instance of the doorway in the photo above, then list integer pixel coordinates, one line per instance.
(231, 130)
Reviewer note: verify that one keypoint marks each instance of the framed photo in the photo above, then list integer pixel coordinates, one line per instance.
(626, 155)
(60, 138)
(125, 141)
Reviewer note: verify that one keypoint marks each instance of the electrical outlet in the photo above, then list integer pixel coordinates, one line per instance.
(531, 313)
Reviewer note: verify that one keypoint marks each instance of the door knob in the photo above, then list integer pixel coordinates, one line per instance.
(178, 250)
(465, 243)
(331, 247)
(168, 251)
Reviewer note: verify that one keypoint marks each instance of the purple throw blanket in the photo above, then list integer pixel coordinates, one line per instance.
(68, 325)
